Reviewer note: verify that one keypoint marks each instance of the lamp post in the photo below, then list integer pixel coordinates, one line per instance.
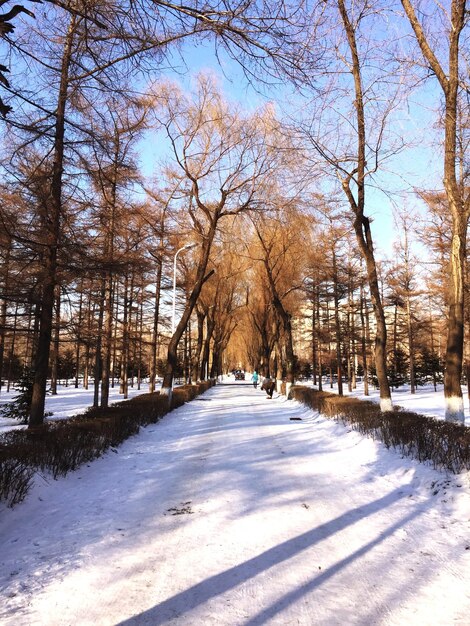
(186, 247)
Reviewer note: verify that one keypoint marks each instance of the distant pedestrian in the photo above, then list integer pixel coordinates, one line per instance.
(268, 386)
(255, 379)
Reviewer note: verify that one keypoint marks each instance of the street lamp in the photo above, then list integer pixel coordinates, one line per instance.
(186, 247)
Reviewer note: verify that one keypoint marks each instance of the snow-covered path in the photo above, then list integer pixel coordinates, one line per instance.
(228, 512)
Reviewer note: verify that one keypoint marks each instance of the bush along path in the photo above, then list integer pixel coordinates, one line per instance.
(62, 446)
(445, 445)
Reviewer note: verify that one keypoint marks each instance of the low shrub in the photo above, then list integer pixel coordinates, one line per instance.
(443, 444)
(183, 394)
(62, 446)
(15, 478)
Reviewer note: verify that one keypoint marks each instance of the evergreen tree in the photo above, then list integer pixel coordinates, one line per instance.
(20, 405)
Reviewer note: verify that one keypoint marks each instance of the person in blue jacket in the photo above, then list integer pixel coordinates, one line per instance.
(255, 379)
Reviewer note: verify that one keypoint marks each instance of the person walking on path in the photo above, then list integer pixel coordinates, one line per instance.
(268, 386)
(255, 379)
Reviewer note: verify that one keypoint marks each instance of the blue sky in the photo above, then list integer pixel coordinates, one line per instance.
(417, 166)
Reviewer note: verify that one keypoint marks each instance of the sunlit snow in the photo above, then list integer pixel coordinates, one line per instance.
(230, 512)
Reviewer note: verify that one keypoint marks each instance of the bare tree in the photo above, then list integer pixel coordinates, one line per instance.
(443, 57)
(402, 280)
(347, 135)
(222, 163)
(137, 35)
(283, 258)
(111, 166)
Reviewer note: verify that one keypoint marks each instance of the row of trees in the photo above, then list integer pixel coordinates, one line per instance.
(82, 229)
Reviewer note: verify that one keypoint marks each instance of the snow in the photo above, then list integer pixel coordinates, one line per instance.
(227, 512)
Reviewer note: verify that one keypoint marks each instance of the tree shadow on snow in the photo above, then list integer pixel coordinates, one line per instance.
(202, 592)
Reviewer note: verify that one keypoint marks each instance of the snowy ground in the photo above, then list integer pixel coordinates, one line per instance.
(229, 513)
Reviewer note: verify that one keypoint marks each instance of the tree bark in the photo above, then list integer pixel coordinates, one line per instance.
(352, 360)
(108, 340)
(98, 353)
(140, 344)
(395, 343)
(319, 341)
(410, 346)
(196, 374)
(88, 342)
(339, 356)
(79, 336)
(55, 346)
(3, 309)
(210, 325)
(52, 237)
(361, 222)
(156, 320)
(12, 347)
(314, 337)
(201, 278)
(285, 320)
(365, 366)
(455, 192)
(431, 327)
(124, 382)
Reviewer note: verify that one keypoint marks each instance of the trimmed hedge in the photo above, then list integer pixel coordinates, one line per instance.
(445, 445)
(62, 446)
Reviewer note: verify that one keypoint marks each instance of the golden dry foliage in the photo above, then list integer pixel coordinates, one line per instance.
(278, 247)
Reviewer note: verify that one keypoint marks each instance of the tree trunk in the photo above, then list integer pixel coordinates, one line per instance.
(114, 359)
(88, 342)
(156, 319)
(319, 348)
(108, 340)
(395, 343)
(329, 342)
(55, 347)
(3, 309)
(285, 319)
(130, 342)
(196, 374)
(455, 190)
(34, 338)
(361, 222)
(98, 355)
(266, 353)
(12, 347)
(187, 353)
(52, 236)
(201, 278)
(79, 335)
(454, 351)
(365, 366)
(140, 350)
(216, 359)
(314, 339)
(410, 346)
(431, 324)
(380, 339)
(352, 335)
(339, 356)
(125, 341)
(206, 347)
